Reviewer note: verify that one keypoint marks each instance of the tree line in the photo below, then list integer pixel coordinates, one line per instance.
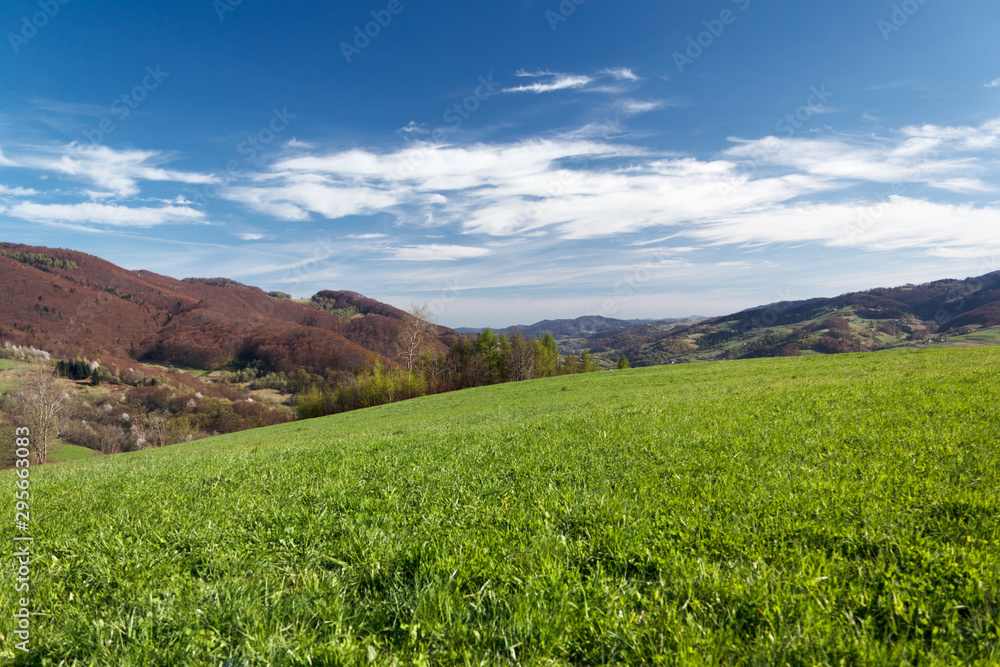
(40, 260)
(489, 359)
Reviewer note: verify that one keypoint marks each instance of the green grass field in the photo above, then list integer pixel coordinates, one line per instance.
(834, 510)
(64, 451)
(7, 380)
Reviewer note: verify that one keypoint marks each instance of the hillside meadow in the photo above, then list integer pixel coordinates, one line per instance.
(836, 510)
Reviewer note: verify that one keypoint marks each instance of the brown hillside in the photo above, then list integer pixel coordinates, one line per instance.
(101, 311)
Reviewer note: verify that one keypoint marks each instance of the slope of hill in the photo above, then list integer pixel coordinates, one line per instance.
(72, 304)
(952, 312)
(682, 515)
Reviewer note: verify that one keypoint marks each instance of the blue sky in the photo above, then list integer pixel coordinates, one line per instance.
(510, 161)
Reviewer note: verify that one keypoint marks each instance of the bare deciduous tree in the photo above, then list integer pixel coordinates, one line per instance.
(37, 406)
(416, 330)
(521, 361)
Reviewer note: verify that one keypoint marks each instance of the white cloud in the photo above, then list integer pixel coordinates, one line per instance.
(118, 171)
(620, 73)
(893, 224)
(575, 186)
(104, 214)
(438, 253)
(250, 236)
(301, 194)
(412, 127)
(536, 73)
(995, 83)
(924, 154)
(17, 191)
(963, 185)
(5, 161)
(555, 82)
(633, 107)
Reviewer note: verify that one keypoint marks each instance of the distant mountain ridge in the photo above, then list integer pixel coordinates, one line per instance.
(587, 324)
(853, 322)
(76, 305)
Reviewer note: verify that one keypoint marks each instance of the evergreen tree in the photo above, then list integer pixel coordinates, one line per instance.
(623, 362)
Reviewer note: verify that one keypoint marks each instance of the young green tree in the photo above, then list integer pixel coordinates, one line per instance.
(503, 354)
(487, 349)
(623, 362)
(586, 363)
(570, 365)
(548, 356)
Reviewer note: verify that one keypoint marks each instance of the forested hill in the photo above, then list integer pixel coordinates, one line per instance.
(72, 304)
(952, 312)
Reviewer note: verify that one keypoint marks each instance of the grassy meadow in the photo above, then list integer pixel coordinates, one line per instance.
(8, 380)
(835, 510)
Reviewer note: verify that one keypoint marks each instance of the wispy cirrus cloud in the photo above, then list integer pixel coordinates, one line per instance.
(4, 161)
(620, 73)
(436, 252)
(574, 187)
(91, 213)
(549, 81)
(552, 82)
(634, 107)
(119, 171)
(898, 223)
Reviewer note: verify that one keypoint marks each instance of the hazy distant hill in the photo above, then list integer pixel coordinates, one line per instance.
(581, 326)
(957, 310)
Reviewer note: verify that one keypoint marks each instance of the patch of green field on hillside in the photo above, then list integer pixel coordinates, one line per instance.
(981, 337)
(8, 380)
(64, 451)
(815, 510)
(10, 365)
